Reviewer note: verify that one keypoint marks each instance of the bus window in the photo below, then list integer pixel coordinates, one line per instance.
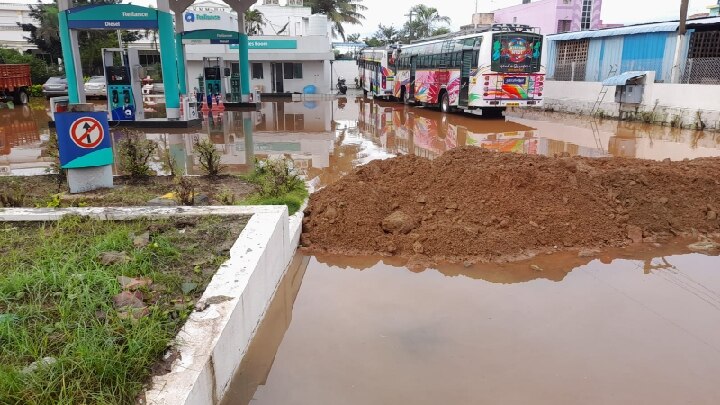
(516, 53)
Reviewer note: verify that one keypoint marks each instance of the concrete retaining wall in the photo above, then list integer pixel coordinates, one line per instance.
(676, 104)
(216, 336)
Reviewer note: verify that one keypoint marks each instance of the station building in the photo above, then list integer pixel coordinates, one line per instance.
(293, 52)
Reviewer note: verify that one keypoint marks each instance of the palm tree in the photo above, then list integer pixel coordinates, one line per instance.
(425, 20)
(339, 12)
(353, 38)
(254, 22)
(387, 34)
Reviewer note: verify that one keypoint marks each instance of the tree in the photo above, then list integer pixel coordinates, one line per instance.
(424, 23)
(339, 12)
(254, 22)
(440, 31)
(372, 42)
(45, 35)
(353, 38)
(387, 34)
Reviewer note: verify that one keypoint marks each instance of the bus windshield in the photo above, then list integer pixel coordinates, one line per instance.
(516, 52)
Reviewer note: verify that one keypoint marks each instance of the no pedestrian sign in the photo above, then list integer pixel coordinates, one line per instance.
(83, 139)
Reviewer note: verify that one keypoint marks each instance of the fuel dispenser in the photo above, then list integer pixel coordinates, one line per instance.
(123, 74)
(212, 79)
(235, 83)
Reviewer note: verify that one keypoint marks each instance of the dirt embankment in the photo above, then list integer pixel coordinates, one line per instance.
(472, 205)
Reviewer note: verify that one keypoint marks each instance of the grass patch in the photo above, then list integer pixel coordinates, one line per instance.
(56, 303)
(277, 184)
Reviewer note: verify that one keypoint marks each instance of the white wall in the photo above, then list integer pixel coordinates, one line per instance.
(668, 101)
(347, 69)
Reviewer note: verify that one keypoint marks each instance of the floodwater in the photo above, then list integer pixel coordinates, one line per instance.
(327, 139)
(629, 327)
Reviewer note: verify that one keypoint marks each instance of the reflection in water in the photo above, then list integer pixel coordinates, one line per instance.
(260, 356)
(327, 139)
(612, 331)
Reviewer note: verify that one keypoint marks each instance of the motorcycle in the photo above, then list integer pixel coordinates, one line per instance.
(341, 86)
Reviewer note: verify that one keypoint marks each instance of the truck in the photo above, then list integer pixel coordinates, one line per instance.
(15, 83)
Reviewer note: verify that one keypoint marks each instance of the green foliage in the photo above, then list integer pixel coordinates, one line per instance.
(13, 195)
(134, 153)
(45, 35)
(208, 157)
(353, 38)
(227, 197)
(254, 22)
(185, 190)
(426, 21)
(278, 184)
(56, 302)
(39, 71)
(36, 90)
(339, 12)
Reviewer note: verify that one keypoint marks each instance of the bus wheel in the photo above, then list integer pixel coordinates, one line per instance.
(445, 103)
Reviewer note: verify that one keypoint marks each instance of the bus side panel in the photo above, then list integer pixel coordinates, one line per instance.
(453, 87)
(402, 79)
(427, 87)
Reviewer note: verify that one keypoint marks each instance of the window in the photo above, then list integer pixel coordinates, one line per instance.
(257, 71)
(293, 71)
(571, 60)
(563, 26)
(586, 15)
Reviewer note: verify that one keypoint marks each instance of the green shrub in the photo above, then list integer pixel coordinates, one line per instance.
(278, 184)
(36, 90)
(134, 153)
(209, 157)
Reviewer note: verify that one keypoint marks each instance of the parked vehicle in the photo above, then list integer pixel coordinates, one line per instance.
(55, 86)
(96, 87)
(341, 86)
(15, 83)
(485, 70)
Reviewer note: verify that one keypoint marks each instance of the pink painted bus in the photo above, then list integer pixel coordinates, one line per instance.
(481, 72)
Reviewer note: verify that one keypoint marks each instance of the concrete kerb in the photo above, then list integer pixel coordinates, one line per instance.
(216, 336)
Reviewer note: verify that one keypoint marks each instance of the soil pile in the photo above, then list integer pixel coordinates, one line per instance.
(472, 205)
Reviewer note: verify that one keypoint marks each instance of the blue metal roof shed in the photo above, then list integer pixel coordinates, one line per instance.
(646, 47)
(622, 79)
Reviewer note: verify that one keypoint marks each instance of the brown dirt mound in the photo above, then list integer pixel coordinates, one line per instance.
(471, 205)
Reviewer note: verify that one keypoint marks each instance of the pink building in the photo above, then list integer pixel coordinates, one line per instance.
(553, 16)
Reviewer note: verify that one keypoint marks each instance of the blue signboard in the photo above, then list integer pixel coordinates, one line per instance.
(83, 139)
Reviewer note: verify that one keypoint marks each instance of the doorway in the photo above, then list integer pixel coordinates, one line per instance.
(277, 77)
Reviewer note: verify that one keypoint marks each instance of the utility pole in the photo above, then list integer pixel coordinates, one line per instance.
(410, 27)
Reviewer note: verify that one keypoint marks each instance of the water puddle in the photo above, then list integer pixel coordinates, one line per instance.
(613, 329)
(327, 139)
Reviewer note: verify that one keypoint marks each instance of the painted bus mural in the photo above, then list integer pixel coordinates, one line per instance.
(480, 72)
(376, 70)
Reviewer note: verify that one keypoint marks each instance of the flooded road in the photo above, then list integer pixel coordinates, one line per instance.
(327, 139)
(625, 328)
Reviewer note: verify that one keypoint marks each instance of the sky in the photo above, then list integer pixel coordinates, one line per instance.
(460, 11)
(392, 12)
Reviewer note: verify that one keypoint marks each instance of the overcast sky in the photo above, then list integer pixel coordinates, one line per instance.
(460, 11)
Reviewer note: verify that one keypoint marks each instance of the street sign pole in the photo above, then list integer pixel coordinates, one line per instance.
(85, 148)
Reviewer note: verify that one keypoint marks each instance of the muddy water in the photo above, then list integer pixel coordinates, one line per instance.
(326, 139)
(624, 328)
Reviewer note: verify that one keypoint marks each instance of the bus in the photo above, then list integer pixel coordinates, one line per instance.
(376, 69)
(477, 72)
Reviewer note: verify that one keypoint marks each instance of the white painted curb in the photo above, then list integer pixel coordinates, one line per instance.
(213, 341)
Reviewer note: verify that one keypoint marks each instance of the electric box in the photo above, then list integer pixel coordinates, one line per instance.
(629, 94)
